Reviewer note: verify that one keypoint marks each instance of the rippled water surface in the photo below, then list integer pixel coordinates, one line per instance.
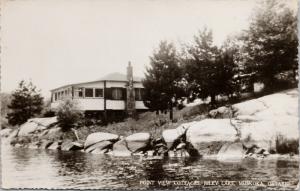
(29, 168)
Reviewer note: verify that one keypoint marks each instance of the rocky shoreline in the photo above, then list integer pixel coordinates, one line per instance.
(259, 128)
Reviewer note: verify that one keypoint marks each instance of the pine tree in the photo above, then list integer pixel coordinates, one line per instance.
(271, 42)
(208, 69)
(163, 78)
(26, 102)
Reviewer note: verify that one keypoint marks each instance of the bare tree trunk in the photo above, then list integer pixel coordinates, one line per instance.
(171, 110)
(213, 99)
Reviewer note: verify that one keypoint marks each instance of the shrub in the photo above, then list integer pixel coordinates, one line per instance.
(285, 146)
(68, 115)
(26, 102)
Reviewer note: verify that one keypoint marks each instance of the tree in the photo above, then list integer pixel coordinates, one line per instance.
(26, 102)
(208, 69)
(68, 114)
(271, 42)
(163, 87)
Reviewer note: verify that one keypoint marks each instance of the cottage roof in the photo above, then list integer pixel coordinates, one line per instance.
(117, 77)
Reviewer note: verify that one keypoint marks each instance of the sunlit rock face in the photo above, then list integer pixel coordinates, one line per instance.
(231, 152)
(36, 124)
(5, 132)
(137, 141)
(273, 122)
(99, 146)
(69, 145)
(171, 136)
(209, 135)
(120, 148)
(269, 123)
(99, 137)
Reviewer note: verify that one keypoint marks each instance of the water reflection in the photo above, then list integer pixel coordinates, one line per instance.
(69, 162)
(28, 168)
(22, 155)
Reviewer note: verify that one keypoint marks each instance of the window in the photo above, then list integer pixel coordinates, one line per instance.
(98, 92)
(79, 92)
(55, 96)
(117, 94)
(138, 94)
(89, 92)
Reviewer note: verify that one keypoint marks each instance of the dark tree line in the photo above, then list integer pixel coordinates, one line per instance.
(261, 53)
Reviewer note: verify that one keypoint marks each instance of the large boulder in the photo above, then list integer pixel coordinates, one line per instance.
(5, 132)
(120, 148)
(54, 146)
(268, 133)
(208, 136)
(11, 137)
(269, 122)
(36, 124)
(27, 128)
(100, 146)
(221, 112)
(137, 141)
(54, 133)
(45, 122)
(69, 145)
(249, 107)
(231, 152)
(171, 136)
(98, 137)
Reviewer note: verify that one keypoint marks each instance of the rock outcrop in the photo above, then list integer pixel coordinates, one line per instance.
(98, 137)
(102, 146)
(172, 136)
(208, 136)
(36, 124)
(5, 132)
(254, 128)
(120, 148)
(70, 145)
(231, 152)
(138, 141)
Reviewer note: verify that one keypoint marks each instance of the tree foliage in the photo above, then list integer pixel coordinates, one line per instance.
(68, 114)
(26, 102)
(163, 78)
(271, 42)
(208, 69)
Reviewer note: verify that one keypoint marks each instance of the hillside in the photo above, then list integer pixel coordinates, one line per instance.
(255, 128)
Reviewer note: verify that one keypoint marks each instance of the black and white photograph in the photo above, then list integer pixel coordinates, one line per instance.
(149, 94)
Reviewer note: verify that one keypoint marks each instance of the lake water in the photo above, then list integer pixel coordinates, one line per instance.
(29, 168)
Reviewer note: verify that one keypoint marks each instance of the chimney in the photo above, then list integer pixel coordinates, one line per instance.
(130, 101)
(129, 72)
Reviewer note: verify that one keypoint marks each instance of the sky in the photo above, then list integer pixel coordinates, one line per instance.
(57, 42)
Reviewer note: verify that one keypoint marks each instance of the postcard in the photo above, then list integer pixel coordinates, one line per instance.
(149, 94)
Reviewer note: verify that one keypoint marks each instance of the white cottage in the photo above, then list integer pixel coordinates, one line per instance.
(114, 92)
